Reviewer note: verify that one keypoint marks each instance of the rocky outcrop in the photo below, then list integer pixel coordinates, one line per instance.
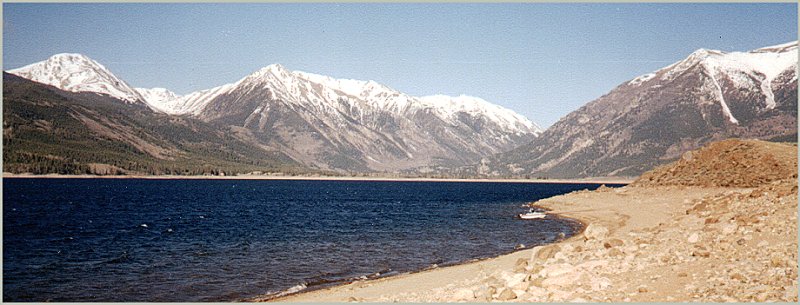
(730, 163)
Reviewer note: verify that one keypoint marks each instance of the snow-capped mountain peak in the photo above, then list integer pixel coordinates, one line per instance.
(449, 106)
(168, 102)
(78, 73)
(708, 95)
(274, 69)
(768, 61)
(160, 99)
(385, 98)
(327, 90)
(373, 93)
(752, 70)
(352, 87)
(157, 94)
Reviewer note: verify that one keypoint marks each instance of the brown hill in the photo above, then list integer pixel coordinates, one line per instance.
(728, 163)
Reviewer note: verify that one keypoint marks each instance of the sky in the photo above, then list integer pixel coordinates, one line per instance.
(540, 60)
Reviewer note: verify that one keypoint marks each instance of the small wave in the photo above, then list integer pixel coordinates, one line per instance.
(324, 281)
(295, 288)
(291, 290)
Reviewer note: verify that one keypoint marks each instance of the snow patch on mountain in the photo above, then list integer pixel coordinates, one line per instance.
(78, 73)
(158, 98)
(641, 79)
(364, 97)
(448, 107)
(748, 70)
(168, 102)
(718, 93)
(375, 94)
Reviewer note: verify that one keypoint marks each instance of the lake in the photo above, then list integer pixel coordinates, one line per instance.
(226, 240)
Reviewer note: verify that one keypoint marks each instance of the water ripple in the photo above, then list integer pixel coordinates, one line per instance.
(220, 240)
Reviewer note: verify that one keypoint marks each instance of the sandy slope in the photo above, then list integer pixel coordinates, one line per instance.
(646, 242)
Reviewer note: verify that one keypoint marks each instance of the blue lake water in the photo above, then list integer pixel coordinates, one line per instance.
(227, 240)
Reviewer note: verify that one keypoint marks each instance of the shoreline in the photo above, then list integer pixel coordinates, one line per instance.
(622, 254)
(285, 296)
(311, 295)
(282, 295)
(610, 180)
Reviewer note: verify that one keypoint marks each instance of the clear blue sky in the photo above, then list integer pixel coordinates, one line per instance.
(541, 60)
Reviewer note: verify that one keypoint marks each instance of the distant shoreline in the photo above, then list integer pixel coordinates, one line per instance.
(609, 180)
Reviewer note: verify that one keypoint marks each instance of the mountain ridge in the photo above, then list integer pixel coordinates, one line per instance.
(347, 125)
(325, 123)
(49, 130)
(166, 101)
(653, 118)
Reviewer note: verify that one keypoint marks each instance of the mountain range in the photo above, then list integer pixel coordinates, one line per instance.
(48, 130)
(654, 118)
(274, 119)
(321, 123)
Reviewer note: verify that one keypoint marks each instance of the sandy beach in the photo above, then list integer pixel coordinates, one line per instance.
(676, 235)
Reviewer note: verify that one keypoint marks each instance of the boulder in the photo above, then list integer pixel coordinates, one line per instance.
(556, 270)
(613, 242)
(547, 252)
(492, 290)
(521, 286)
(595, 231)
(514, 279)
(506, 295)
(563, 280)
(492, 281)
(484, 294)
(535, 268)
(520, 265)
(537, 282)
